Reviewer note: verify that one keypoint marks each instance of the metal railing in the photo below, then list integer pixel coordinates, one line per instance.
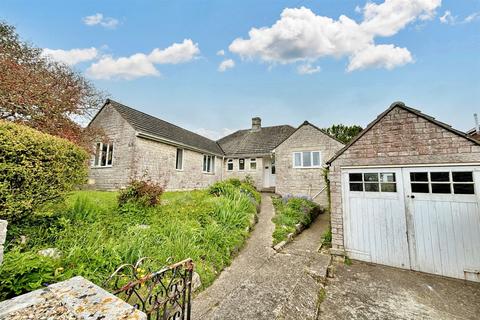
(164, 294)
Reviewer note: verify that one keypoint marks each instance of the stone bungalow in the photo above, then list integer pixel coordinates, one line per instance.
(141, 145)
(406, 193)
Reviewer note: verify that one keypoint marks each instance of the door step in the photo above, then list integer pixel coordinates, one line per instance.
(270, 190)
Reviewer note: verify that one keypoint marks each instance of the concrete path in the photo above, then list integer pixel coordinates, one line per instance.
(369, 291)
(263, 284)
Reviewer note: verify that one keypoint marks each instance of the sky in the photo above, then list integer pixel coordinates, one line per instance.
(210, 66)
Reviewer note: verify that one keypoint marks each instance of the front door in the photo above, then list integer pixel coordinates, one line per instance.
(269, 179)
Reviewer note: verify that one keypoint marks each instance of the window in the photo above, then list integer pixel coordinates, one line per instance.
(230, 165)
(373, 182)
(442, 182)
(241, 164)
(208, 164)
(179, 160)
(103, 155)
(306, 159)
(253, 164)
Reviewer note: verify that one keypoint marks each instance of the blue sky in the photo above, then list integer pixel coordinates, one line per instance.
(300, 66)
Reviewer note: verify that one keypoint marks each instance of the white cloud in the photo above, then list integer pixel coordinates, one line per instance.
(99, 19)
(71, 57)
(134, 66)
(221, 53)
(176, 53)
(226, 64)
(308, 69)
(472, 17)
(447, 18)
(142, 65)
(214, 134)
(301, 35)
(381, 56)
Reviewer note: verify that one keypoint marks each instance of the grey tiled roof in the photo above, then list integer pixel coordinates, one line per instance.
(249, 143)
(155, 127)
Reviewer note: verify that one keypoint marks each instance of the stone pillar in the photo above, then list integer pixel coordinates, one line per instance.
(3, 236)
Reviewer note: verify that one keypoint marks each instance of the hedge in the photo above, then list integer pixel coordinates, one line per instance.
(35, 169)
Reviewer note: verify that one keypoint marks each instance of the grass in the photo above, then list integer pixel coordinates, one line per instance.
(95, 236)
(289, 212)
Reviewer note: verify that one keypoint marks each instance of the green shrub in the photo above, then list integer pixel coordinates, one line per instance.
(35, 168)
(22, 272)
(143, 192)
(290, 211)
(231, 187)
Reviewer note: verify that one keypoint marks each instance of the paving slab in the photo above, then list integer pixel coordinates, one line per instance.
(264, 284)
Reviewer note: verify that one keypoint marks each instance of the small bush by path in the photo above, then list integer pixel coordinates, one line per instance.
(95, 235)
(290, 211)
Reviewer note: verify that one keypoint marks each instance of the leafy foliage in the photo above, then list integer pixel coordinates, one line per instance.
(26, 271)
(35, 169)
(290, 211)
(43, 93)
(143, 192)
(343, 133)
(95, 236)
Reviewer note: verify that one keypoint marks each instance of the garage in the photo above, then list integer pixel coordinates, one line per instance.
(406, 193)
(420, 218)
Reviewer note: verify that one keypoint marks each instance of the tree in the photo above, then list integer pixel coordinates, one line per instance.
(42, 93)
(343, 133)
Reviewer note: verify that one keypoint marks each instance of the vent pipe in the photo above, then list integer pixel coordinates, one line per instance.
(477, 127)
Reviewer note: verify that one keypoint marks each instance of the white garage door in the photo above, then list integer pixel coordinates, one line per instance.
(425, 219)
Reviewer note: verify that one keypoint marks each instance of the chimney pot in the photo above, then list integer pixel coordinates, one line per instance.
(256, 124)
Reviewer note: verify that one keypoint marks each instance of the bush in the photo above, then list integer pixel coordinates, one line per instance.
(143, 192)
(231, 187)
(35, 168)
(290, 211)
(22, 272)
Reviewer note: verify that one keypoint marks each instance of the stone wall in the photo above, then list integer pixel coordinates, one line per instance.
(3, 236)
(123, 137)
(158, 160)
(399, 138)
(304, 181)
(257, 175)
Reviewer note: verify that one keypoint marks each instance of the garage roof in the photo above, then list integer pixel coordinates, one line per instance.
(402, 105)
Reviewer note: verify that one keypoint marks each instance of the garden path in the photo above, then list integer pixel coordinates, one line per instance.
(263, 284)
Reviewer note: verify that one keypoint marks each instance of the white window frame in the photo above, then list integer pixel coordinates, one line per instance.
(311, 157)
(244, 162)
(205, 168)
(176, 159)
(252, 161)
(230, 161)
(110, 153)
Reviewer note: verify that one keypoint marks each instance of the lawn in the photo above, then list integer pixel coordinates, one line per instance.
(95, 236)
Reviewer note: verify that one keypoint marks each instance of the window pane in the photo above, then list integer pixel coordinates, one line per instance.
(463, 188)
(356, 186)
(110, 155)
(420, 188)
(103, 161)
(253, 164)
(241, 164)
(371, 187)
(419, 176)
(209, 164)
(212, 167)
(440, 176)
(97, 154)
(179, 162)
(204, 163)
(298, 159)
(370, 177)
(462, 176)
(389, 187)
(307, 159)
(387, 177)
(355, 176)
(316, 158)
(441, 188)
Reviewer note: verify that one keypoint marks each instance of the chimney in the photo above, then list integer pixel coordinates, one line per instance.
(256, 124)
(477, 127)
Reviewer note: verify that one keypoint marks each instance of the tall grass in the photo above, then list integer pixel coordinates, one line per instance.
(95, 236)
